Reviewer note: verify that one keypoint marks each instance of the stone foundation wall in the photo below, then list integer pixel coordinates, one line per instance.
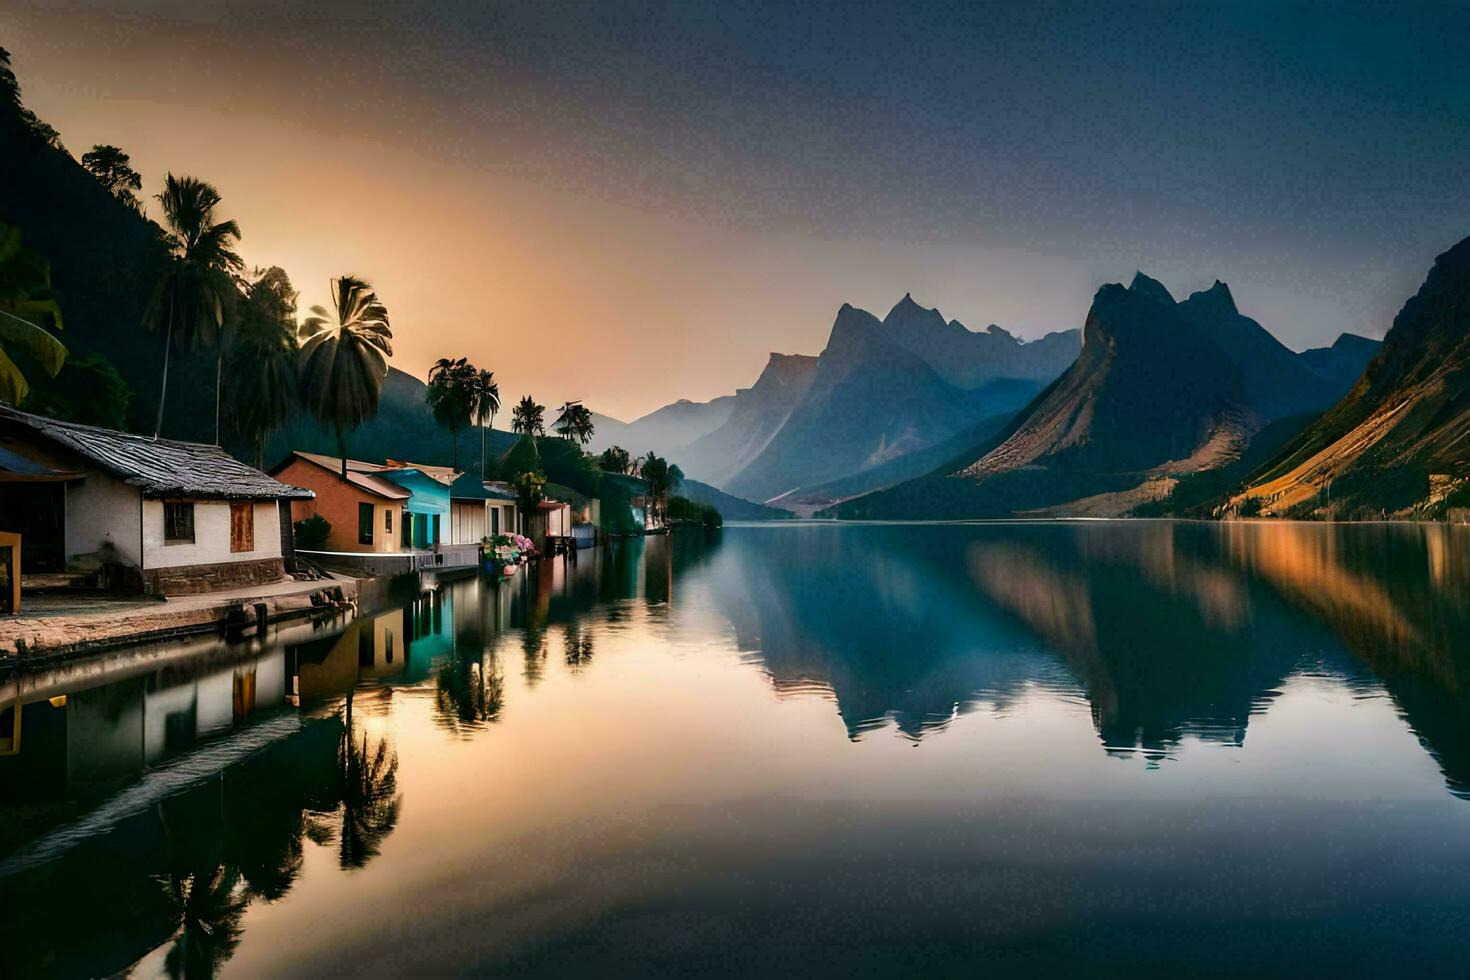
(197, 579)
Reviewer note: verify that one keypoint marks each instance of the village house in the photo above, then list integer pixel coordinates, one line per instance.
(479, 510)
(175, 518)
(365, 511)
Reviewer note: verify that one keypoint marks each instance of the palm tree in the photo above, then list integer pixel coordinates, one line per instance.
(566, 420)
(528, 418)
(344, 358)
(262, 358)
(197, 286)
(26, 308)
(487, 403)
(451, 394)
(583, 427)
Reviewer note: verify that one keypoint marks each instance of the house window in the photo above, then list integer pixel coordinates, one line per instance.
(434, 533)
(178, 522)
(364, 523)
(494, 521)
(405, 524)
(242, 525)
(388, 520)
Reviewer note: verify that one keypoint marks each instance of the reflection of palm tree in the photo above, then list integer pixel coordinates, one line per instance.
(578, 648)
(208, 905)
(367, 795)
(469, 693)
(533, 645)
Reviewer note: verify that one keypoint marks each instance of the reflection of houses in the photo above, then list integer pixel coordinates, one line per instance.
(188, 517)
(370, 647)
(70, 739)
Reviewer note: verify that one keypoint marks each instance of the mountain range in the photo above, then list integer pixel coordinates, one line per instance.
(882, 402)
(1398, 445)
(1162, 391)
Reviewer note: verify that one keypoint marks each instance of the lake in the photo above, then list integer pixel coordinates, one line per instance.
(1117, 748)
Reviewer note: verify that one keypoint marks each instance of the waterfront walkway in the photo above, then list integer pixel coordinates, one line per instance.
(51, 625)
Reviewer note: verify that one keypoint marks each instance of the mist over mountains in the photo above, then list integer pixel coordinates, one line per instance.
(869, 411)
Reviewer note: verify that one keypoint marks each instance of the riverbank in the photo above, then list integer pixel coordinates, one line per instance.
(57, 627)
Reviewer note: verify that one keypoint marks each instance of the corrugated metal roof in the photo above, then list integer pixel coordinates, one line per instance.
(158, 467)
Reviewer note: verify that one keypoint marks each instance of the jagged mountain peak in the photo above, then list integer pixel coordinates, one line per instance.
(1150, 287)
(907, 314)
(1217, 299)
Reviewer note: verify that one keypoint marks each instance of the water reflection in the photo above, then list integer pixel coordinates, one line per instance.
(164, 796)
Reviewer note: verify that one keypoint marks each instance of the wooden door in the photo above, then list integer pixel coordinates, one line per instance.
(242, 525)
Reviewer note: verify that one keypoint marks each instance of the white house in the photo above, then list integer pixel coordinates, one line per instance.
(186, 517)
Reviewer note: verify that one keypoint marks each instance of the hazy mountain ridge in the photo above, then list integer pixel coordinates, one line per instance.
(872, 400)
(879, 393)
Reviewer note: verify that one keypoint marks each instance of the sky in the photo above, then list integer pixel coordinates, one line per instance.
(634, 203)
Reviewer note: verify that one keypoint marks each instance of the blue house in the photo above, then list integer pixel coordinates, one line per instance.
(426, 512)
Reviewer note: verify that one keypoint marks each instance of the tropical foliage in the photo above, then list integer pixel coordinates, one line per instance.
(574, 423)
(452, 394)
(88, 390)
(27, 309)
(113, 170)
(311, 532)
(197, 289)
(262, 358)
(344, 358)
(528, 418)
(530, 490)
(661, 480)
(682, 510)
(615, 459)
(487, 403)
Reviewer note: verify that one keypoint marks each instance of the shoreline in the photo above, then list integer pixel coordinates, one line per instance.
(35, 640)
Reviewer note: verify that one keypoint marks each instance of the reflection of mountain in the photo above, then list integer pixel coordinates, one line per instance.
(856, 615)
(1398, 596)
(1165, 641)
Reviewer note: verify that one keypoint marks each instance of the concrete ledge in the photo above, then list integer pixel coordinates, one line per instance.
(26, 640)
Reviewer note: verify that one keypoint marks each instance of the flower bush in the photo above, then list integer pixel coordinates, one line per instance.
(508, 549)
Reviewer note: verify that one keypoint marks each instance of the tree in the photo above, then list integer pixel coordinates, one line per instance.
(528, 418)
(530, 490)
(344, 358)
(27, 308)
(113, 170)
(487, 403)
(10, 92)
(198, 286)
(9, 85)
(88, 390)
(262, 359)
(615, 459)
(574, 423)
(451, 394)
(655, 472)
(523, 457)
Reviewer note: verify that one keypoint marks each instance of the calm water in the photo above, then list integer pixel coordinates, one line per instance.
(1133, 749)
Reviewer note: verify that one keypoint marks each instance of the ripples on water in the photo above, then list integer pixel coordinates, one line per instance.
(1139, 748)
